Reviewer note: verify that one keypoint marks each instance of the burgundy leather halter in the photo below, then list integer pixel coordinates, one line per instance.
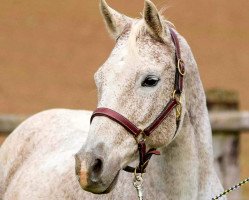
(175, 102)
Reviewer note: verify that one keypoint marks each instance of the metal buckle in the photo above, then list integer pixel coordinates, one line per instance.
(179, 62)
(178, 111)
(178, 98)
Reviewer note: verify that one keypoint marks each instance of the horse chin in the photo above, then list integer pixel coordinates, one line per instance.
(112, 185)
(109, 188)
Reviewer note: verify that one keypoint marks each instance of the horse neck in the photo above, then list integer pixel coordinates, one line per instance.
(199, 120)
(177, 167)
(187, 163)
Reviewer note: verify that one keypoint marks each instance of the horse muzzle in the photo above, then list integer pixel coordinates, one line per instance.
(93, 174)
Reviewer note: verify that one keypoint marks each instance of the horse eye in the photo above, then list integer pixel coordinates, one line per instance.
(150, 81)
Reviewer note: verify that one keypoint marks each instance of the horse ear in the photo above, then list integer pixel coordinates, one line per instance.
(153, 20)
(114, 20)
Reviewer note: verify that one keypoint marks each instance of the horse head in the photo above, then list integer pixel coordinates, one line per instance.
(136, 81)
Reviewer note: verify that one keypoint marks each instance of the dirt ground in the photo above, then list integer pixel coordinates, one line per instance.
(49, 50)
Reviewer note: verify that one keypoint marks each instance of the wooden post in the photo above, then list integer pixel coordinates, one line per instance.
(225, 143)
(3, 136)
(8, 123)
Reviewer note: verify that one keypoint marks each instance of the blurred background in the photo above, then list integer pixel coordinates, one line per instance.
(49, 51)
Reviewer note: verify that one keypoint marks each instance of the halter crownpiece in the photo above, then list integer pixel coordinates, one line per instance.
(175, 102)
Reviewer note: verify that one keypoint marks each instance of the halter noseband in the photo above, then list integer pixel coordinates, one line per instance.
(175, 102)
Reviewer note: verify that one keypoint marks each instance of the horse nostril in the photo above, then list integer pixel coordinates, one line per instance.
(97, 168)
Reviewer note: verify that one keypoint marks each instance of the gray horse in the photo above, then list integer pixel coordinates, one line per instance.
(37, 159)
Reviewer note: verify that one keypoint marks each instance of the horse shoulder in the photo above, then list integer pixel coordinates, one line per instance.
(45, 131)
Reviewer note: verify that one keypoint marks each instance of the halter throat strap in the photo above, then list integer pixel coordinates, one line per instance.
(175, 102)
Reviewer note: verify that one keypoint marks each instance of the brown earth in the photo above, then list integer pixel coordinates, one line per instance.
(49, 50)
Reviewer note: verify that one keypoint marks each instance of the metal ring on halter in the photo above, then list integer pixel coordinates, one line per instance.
(179, 99)
(136, 175)
(182, 72)
(173, 94)
(143, 139)
(145, 163)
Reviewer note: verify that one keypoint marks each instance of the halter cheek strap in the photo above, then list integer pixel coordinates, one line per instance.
(175, 102)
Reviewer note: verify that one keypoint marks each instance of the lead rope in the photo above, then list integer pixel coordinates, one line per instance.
(231, 189)
(138, 184)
